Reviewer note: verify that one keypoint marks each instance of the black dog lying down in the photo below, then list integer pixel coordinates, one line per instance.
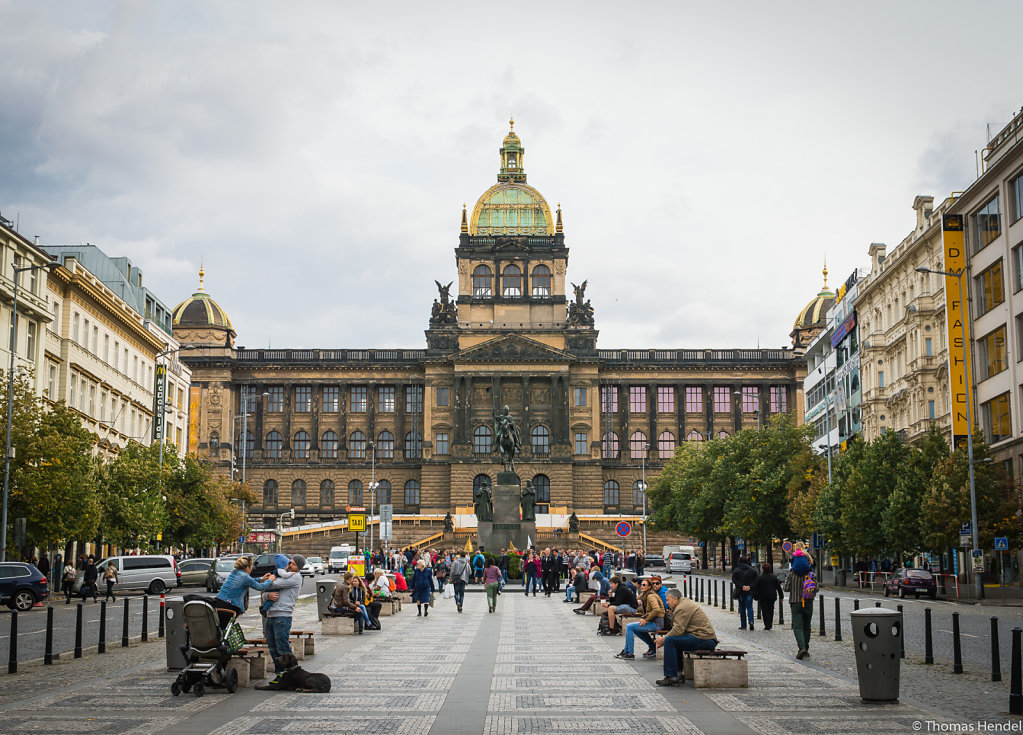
(297, 679)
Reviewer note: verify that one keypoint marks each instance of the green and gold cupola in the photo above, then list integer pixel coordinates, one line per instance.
(512, 154)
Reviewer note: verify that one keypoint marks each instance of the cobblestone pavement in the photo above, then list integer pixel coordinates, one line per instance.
(531, 667)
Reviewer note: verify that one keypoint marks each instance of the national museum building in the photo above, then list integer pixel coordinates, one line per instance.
(323, 423)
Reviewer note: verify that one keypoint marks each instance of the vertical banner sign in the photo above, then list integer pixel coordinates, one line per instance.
(194, 394)
(957, 324)
(159, 402)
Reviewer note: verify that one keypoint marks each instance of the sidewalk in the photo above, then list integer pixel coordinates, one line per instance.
(533, 667)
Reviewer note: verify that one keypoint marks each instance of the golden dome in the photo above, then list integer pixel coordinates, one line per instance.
(815, 313)
(199, 311)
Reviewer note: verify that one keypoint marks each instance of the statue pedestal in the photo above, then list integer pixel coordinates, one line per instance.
(506, 528)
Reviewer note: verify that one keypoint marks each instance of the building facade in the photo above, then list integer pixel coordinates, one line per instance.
(506, 331)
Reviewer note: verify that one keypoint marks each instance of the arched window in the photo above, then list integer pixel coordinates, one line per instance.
(327, 494)
(542, 485)
(723, 435)
(637, 445)
(540, 438)
(610, 493)
(328, 445)
(481, 440)
(250, 445)
(637, 494)
(298, 493)
(413, 445)
(274, 441)
(694, 436)
(511, 281)
(482, 283)
(541, 281)
(477, 483)
(385, 445)
(384, 492)
(355, 492)
(301, 445)
(412, 493)
(270, 494)
(609, 445)
(357, 445)
(666, 445)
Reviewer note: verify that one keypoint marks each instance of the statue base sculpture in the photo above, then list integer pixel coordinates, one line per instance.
(506, 528)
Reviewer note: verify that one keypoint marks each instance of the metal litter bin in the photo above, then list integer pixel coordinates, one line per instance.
(877, 635)
(174, 632)
(324, 593)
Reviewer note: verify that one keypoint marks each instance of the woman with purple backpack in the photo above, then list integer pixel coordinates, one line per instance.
(801, 586)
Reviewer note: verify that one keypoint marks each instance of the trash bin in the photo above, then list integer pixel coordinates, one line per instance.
(174, 632)
(877, 636)
(324, 593)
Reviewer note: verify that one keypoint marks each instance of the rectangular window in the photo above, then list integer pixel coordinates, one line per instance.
(582, 444)
(930, 410)
(779, 399)
(997, 419)
(665, 399)
(106, 348)
(880, 378)
(989, 288)
(275, 403)
(929, 347)
(1016, 192)
(33, 281)
(750, 399)
(357, 400)
(51, 383)
(30, 345)
(722, 399)
(609, 398)
(181, 399)
(987, 223)
(177, 438)
(85, 334)
(125, 368)
(637, 398)
(385, 399)
(135, 369)
(103, 406)
(580, 396)
(95, 340)
(442, 396)
(442, 444)
(92, 400)
(75, 328)
(413, 399)
(991, 353)
(1017, 268)
(303, 399)
(694, 399)
(331, 398)
(117, 353)
(74, 385)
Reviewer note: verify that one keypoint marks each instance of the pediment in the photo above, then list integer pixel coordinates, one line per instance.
(512, 348)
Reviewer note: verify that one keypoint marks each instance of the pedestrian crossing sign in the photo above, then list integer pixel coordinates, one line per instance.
(1001, 543)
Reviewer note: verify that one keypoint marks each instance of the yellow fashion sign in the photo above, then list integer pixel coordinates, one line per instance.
(957, 324)
(194, 396)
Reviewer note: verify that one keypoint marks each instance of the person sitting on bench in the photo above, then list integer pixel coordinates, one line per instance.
(690, 631)
(342, 603)
(603, 589)
(622, 600)
(577, 586)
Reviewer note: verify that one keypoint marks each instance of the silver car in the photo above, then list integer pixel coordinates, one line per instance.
(193, 571)
(218, 572)
(153, 573)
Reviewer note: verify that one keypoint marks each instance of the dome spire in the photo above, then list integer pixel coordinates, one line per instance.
(465, 220)
(825, 271)
(202, 274)
(558, 227)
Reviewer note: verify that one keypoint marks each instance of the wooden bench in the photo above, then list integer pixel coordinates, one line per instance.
(257, 658)
(721, 668)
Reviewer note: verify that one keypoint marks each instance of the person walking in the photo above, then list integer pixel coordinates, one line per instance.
(767, 590)
(67, 582)
(503, 564)
(744, 577)
(89, 581)
(532, 571)
(492, 582)
(440, 571)
(422, 588)
(801, 601)
(110, 577)
(461, 575)
(478, 562)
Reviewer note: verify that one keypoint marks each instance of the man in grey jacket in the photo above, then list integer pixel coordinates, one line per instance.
(278, 618)
(461, 574)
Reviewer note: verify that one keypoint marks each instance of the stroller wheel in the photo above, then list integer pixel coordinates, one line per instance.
(176, 688)
(199, 689)
(232, 681)
(186, 686)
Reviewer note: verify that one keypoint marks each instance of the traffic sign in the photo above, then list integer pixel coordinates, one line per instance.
(1001, 543)
(786, 546)
(964, 540)
(386, 513)
(623, 529)
(966, 529)
(818, 540)
(356, 521)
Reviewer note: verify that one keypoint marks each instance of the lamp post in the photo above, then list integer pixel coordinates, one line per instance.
(244, 416)
(642, 489)
(10, 399)
(958, 275)
(372, 498)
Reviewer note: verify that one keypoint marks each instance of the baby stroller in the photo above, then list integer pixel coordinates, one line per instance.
(207, 651)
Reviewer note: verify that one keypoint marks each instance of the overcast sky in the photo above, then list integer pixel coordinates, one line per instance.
(708, 157)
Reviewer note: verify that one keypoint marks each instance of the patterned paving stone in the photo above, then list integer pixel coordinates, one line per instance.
(573, 725)
(582, 668)
(555, 702)
(85, 725)
(799, 701)
(814, 724)
(347, 724)
(594, 683)
(338, 701)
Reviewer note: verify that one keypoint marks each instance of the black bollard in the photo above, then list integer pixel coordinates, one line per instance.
(724, 593)
(781, 610)
(877, 604)
(902, 632)
(823, 631)
(715, 603)
(856, 604)
(731, 600)
(838, 619)
(78, 632)
(163, 610)
(48, 654)
(928, 639)
(996, 661)
(101, 646)
(12, 656)
(1016, 681)
(957, 648)
(145, 618)
(124, 627)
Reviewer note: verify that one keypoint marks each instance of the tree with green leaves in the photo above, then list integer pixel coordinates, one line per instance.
(902, 519)
(134, 512)
(203, 507)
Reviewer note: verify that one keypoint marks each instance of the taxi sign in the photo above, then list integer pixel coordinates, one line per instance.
(356, 521)
(623, 529)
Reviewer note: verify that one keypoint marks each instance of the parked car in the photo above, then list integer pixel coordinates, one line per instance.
(654, 560)
(264, 564)
(193, 571)
(316, 563)
(153, 573)
(911, 581)
(21, 585)
(218, 573)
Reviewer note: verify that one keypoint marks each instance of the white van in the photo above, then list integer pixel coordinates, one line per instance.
(338, 560)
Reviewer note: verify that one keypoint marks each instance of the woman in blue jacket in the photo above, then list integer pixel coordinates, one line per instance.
(422, 586)
(232, 592)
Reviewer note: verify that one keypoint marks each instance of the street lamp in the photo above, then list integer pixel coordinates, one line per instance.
(244, 416)
(10, 398)
(958, 275)
(280, 526)
(642, 489)
(372, 498)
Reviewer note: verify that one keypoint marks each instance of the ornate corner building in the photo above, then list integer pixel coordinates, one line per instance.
(507, 331)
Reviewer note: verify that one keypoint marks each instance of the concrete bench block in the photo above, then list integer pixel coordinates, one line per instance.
(298, 648)
(390, 606)
(310, 645)
(257, 666)
(716, 673)
(599, 608)
(242, 667)
(339, 626)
